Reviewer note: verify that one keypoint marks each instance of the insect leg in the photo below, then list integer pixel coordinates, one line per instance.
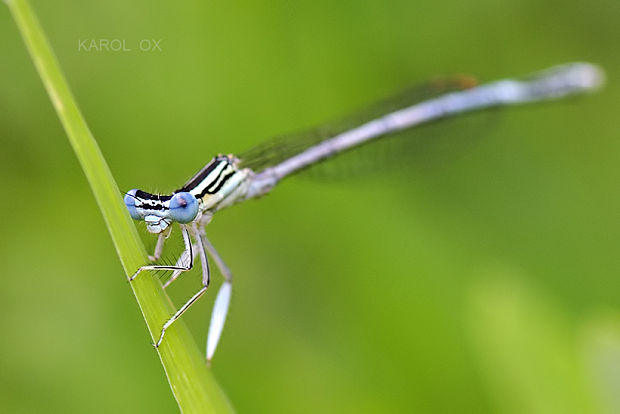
(180, 267)
(222, 301)
(206, 278)
(159, 247)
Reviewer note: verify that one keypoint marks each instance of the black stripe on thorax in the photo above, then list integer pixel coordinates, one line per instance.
(202, 174)
(209, 190)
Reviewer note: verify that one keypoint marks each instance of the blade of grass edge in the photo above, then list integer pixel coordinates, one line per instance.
(194, 387)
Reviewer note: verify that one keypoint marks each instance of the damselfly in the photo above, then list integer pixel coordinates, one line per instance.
(228, 179)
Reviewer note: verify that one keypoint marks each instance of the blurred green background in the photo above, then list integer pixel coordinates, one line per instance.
(483, 281)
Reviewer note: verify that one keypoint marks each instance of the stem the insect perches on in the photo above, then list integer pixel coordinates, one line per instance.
(192, 384)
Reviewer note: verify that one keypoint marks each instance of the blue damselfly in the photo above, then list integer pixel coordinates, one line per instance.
(228, 179)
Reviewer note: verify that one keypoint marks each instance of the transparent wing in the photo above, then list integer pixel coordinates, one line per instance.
(281, 148)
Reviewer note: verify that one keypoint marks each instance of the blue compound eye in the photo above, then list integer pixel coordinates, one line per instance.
(183, 207)
(130, 202)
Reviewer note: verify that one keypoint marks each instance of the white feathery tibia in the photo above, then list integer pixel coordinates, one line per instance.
(182, 262)
(218, 317)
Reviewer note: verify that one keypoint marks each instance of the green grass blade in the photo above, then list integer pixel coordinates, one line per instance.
(192, 384)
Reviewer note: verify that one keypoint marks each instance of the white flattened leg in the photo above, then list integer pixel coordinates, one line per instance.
(222, 301)
(182, 268)
(218, 318)
(206, 278)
